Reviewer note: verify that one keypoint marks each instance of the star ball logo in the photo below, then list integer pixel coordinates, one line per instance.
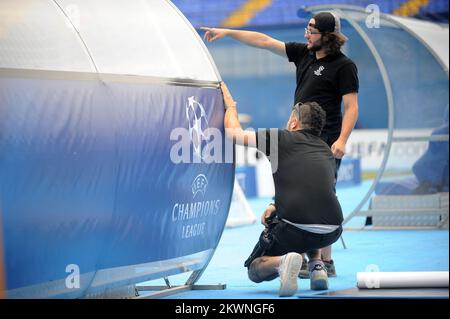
(198, 123)
(196, 141)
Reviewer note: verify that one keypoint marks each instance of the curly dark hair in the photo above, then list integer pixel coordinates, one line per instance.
(332, 42)
(311, 116)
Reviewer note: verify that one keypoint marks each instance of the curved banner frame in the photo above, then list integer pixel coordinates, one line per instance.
(108, 181)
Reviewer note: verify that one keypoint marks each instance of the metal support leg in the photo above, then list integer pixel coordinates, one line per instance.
(167, 282)
(163, 291)
(343, 242)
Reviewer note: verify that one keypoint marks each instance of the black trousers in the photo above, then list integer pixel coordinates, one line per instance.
(280, 238)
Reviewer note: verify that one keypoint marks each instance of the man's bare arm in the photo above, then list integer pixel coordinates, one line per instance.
(251, 38)
(232, 125)
(348, 123)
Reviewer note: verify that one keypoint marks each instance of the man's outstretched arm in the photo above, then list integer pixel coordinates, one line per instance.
(233, 128)
(251, 38)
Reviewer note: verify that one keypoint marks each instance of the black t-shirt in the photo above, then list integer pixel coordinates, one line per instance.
(303, 171)
(324, 81)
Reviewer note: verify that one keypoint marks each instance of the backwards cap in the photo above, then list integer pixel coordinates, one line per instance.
(328, 22)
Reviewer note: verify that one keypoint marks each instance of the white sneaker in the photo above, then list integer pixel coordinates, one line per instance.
(289, 269)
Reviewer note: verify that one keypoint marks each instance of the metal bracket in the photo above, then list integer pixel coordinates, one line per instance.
(163, 291)
(343, 242)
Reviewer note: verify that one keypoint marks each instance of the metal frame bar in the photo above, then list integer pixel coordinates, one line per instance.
(400, 212)
(164, 291)
(202, 44)
(418, 38)
(78, 34)
(382, 228)
(103, 77)
(431, 138)
(392, 20)
(188, 24)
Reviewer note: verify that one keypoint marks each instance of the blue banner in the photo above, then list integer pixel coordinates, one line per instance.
(88, 178)
(349, 173)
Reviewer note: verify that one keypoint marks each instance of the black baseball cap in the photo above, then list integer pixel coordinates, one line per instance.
(328, 22)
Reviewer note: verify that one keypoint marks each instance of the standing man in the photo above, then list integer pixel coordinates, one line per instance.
(308, 215)
(324, 75)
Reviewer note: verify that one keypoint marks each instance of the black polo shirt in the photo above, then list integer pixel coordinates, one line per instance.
(324, 81)
(303, 170)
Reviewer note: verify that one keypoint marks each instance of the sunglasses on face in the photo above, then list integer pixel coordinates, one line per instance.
(309, 32)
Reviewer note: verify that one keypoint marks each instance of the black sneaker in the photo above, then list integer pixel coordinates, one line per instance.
(318, 277)
(331, 269)
(304, 271)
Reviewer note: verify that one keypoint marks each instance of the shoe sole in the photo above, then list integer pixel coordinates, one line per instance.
(304, 274)
(288, 285)
(320, 283)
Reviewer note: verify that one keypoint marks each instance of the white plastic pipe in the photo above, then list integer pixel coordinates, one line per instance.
(382, 280)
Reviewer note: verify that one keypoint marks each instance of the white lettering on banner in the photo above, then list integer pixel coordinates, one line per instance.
(370, 146)
(193, 230)
(367, 145)
(366, 148)
(187, 211)
(192, 211)
(346, 173)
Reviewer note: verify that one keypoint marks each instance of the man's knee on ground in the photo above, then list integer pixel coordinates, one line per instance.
(254, 277)
(255, 272)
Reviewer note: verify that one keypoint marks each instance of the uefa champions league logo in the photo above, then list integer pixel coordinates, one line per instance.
(199, 185)
(195, 213)
(198, 123)
(197, 142)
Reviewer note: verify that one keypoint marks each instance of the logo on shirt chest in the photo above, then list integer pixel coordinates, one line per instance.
(318, 72)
